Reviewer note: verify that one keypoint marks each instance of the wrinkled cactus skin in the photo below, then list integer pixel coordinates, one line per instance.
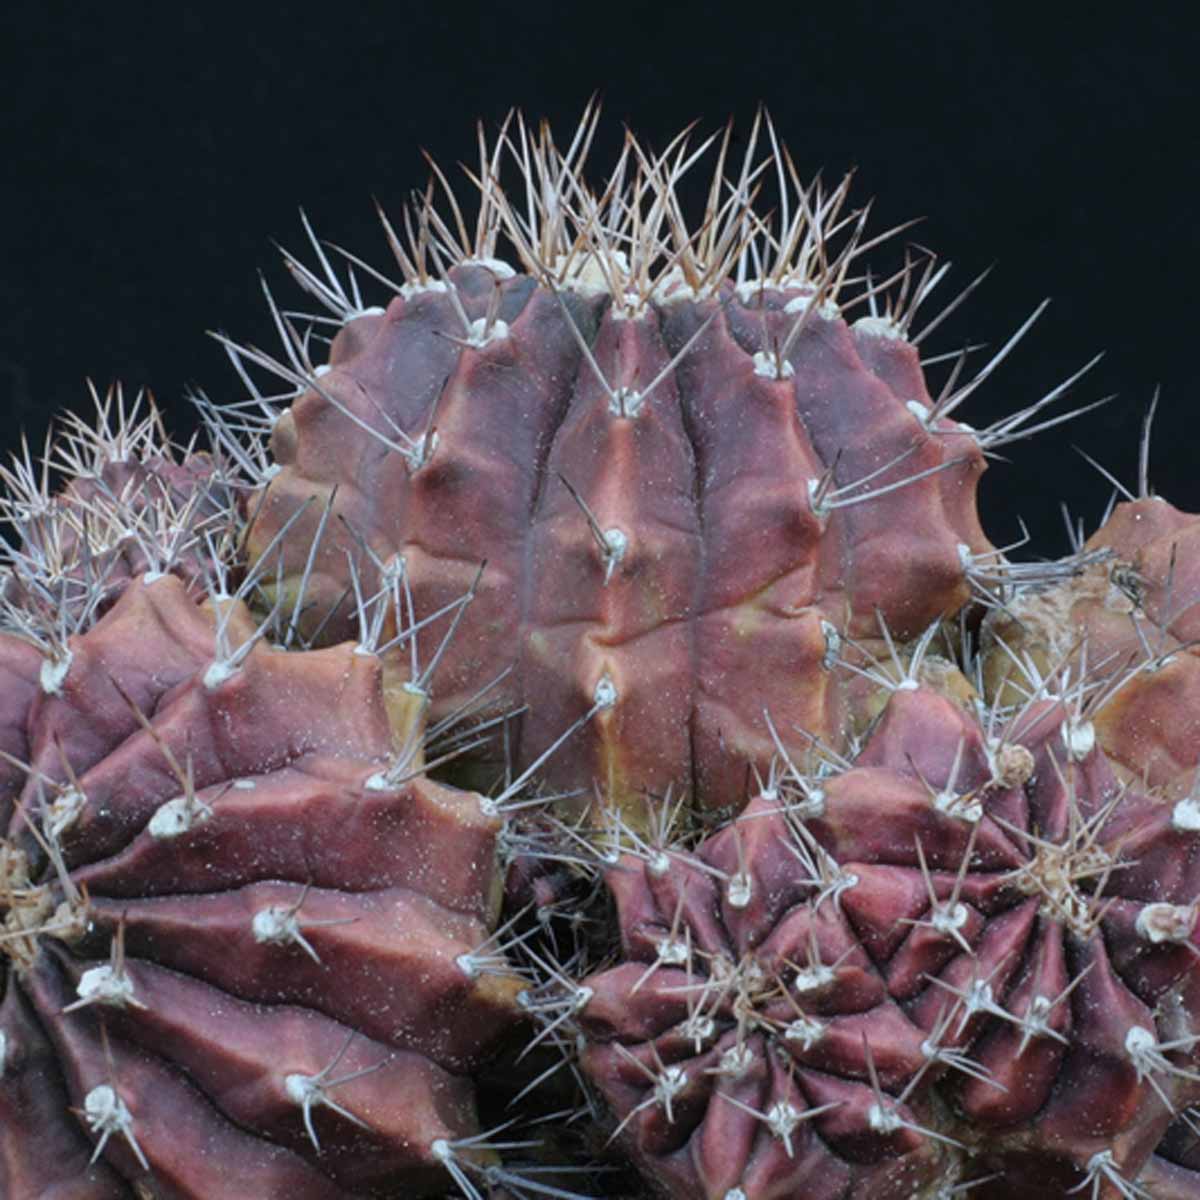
(247, 978)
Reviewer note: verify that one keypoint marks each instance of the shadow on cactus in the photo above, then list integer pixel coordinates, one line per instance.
(583, 695)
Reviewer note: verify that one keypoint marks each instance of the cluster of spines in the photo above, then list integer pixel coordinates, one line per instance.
(634, 244)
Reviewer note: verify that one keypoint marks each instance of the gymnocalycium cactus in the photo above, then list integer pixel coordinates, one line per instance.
(696, 457)
(842, 855)
(246, 940)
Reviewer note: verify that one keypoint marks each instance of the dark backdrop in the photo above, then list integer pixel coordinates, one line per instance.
(152, 154)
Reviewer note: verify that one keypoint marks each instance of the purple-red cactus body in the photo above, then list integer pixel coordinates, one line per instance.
(683, 488)
(969, 956)
(673, 515)
(235, 962)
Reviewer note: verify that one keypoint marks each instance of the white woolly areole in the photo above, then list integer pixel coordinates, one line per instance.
(3, 1052)
(105, 1110)
(811, 807)
(177, 816)
(617, 543)
(699, 1027)
(766, 366)
(739, 891)
(275, 925)
(658, 864)
(827, 309)
(605, 695)
(480, 335)
(216, 675)
(833, 643)
(879, 327)
(54, 673)
(103, 985)
(810, 979)
(672, 952)
(421, 450)
(918, 410)
(321, 370)
(586, 276)
(672, 287)
(806, 1030)
(302, 1090)
(629, 306)
(735, 1194)
(749, 288)
(1185, 816)
(1080, 738)
(1166, 922)
(64, 812)
(1138, 1040)
(409, 290)
(497, 266)
(245, 785)
(737, 1060)
(947, 920)
(626, 402)
(381, 783)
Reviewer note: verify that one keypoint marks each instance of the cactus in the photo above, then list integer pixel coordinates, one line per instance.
(246, 941)
(1128, 623)
(684, 451)
(589, 697)
(965, 956)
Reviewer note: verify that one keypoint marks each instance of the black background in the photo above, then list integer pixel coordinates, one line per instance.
(151, 155)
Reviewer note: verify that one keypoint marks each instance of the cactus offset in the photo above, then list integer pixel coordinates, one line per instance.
(246, 939)
(967, 957)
